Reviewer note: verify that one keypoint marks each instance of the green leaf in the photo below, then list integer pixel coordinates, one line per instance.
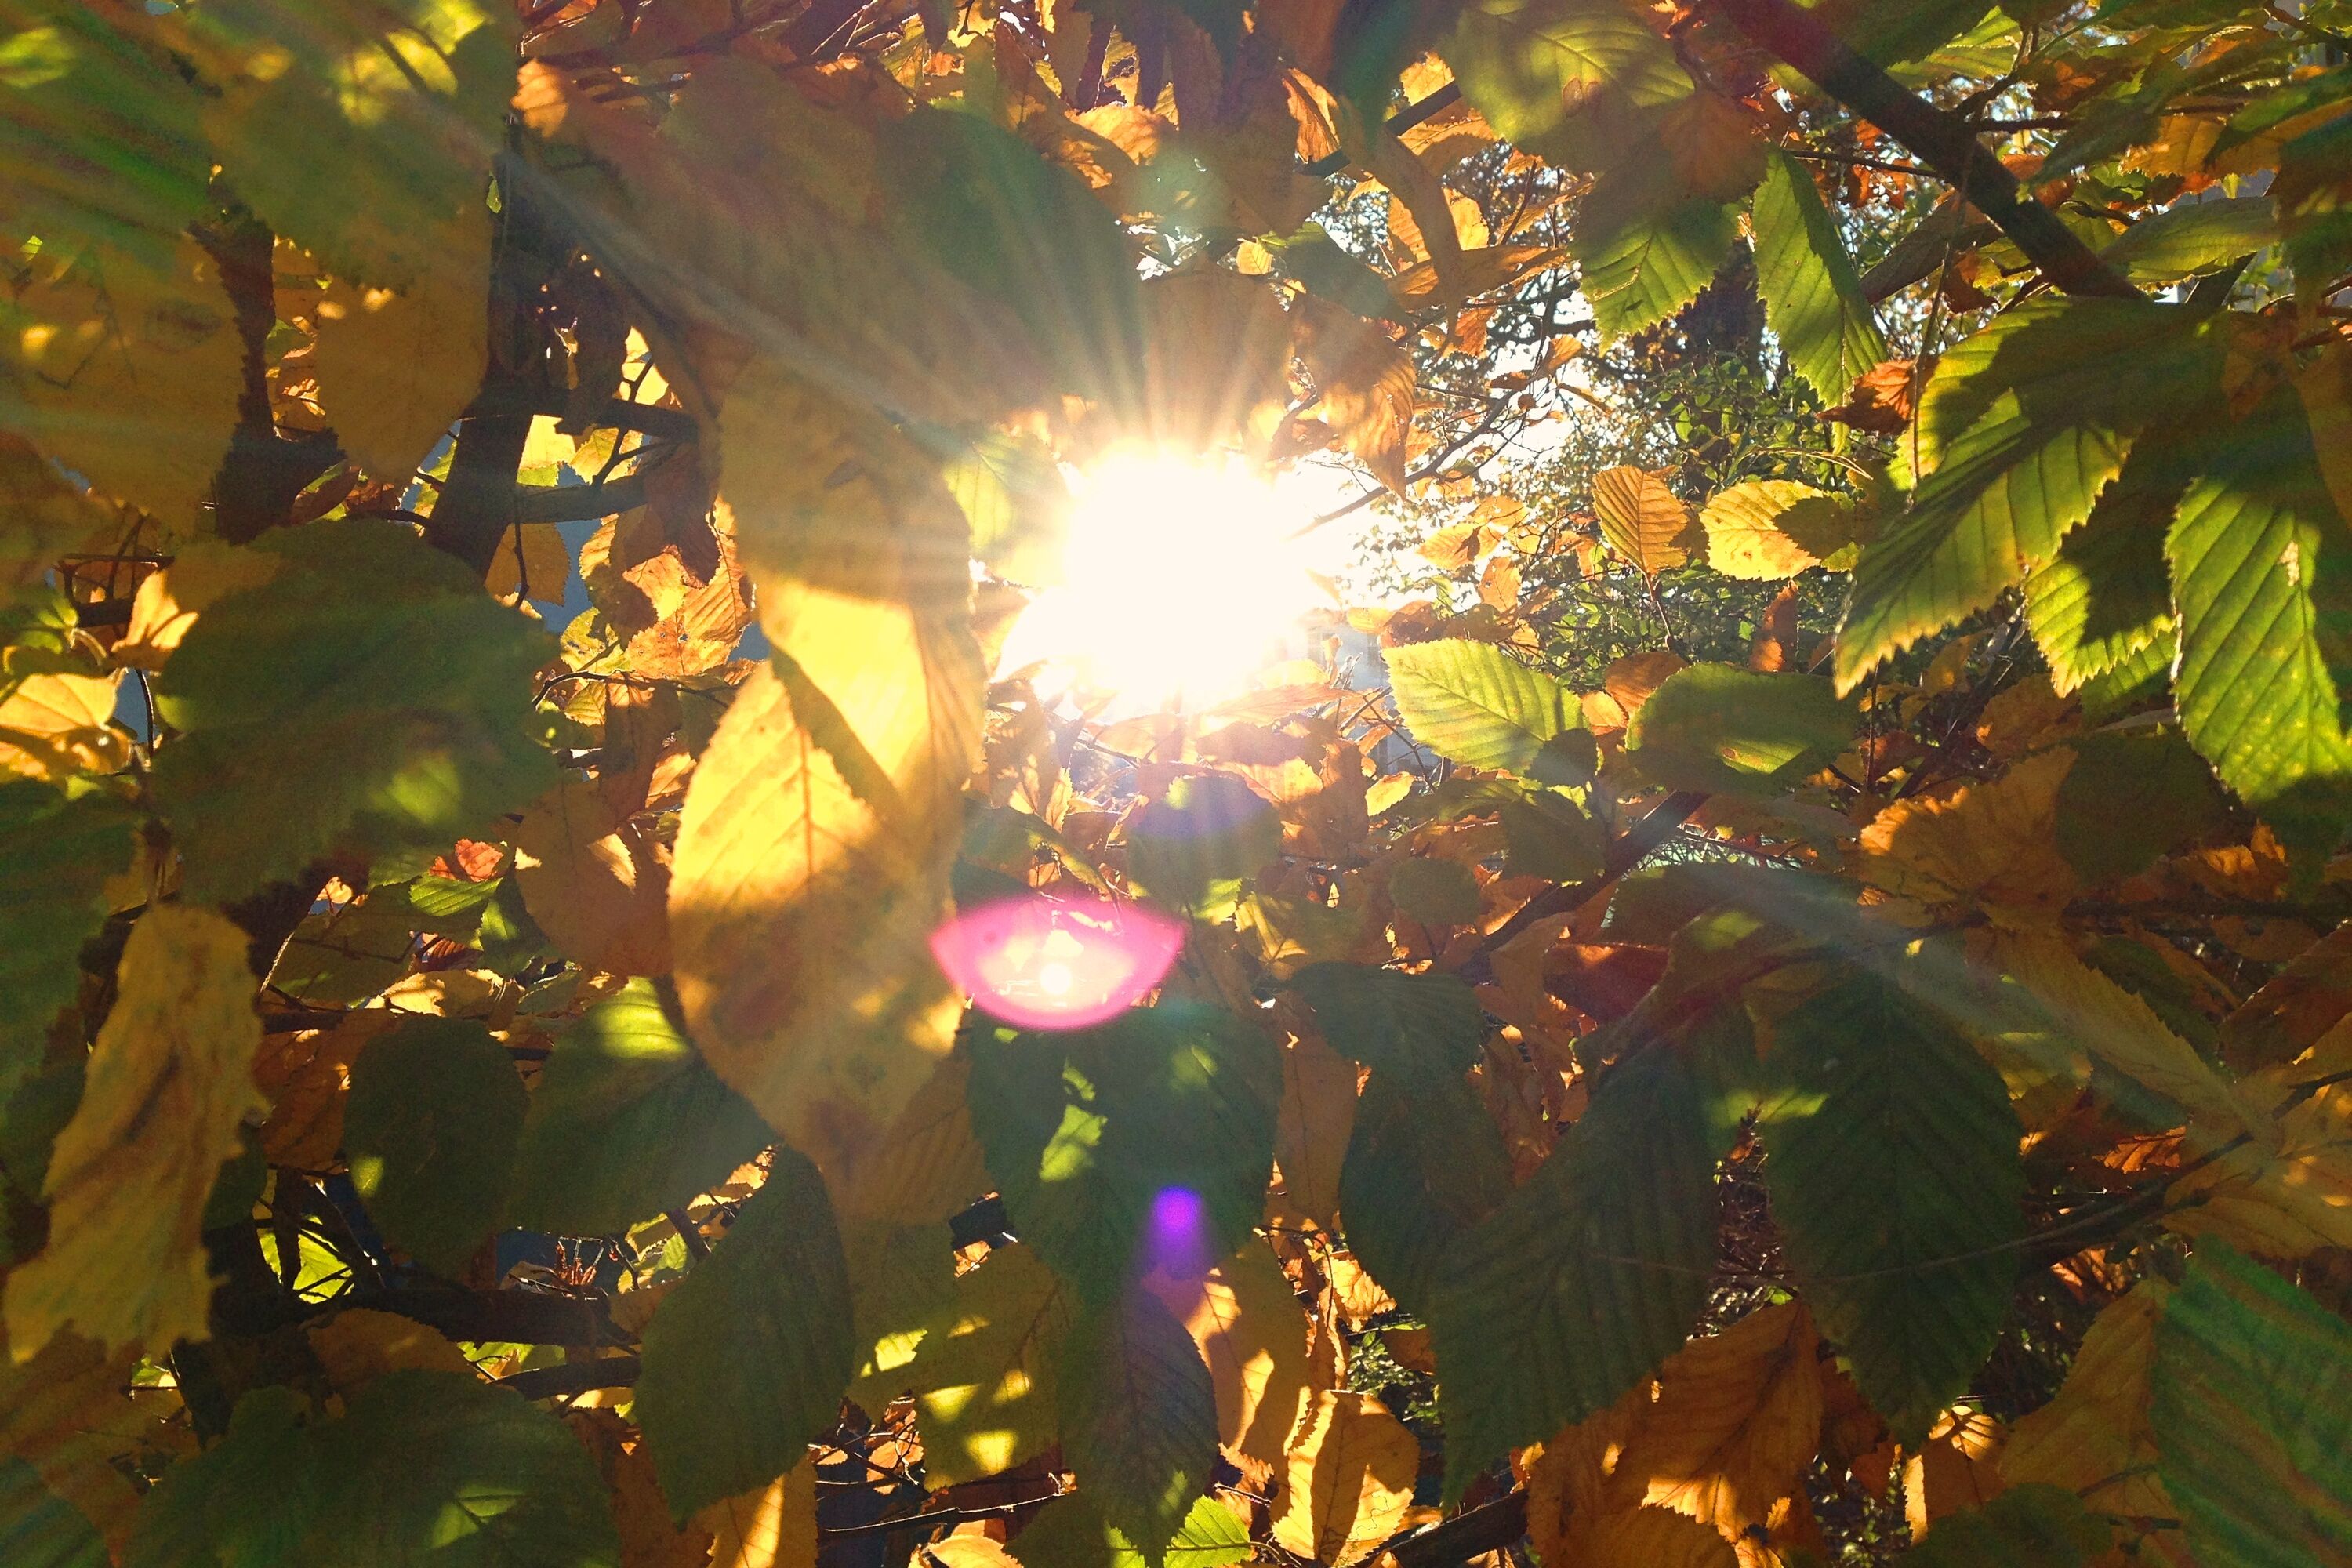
(360, 133)
(2104, 595)
(984, 1368)
(1409, 1024)
(39, 1529)
(438, 1467)
(626, 1120)
(1616, 1227)
(2314, 175)
(2291, 102)
(746, 1361)
(2131, 795)
(2193, 237)
(2262, 572)
(1435, 892)
(1895, 1180)
(1017, 502)
(1424, 1164)
(1528, 65)
(1473, 704)
(100, 141)
(1138, 1418)
(1717, 729)
(370, 693)
(2030, 1526)
(1072, 1533)
(1645, 255)
(30, 1121)
(1812, 295)
(1328, 270)
(56, 857)
(434, 1112)
(986, 207)
(1192, 848)
(2250, 1402)
(2021, 427)
(1087, 1133)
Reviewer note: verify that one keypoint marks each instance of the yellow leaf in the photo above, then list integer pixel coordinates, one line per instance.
(1246, 1318)
(1643, 518)
(775, 1527)
(1992, 845)
(2287, 1190)
(1350, 1478)
(170, 1078)
(1312, 1127)
(356, 1347)
(542, 572)
(129, 374)
(964, 1550)
(70, 1413)
(1748, 528)
(2093, 1438)
(930, 1166)
(1217, 361)
(394, 369)
(1737, 1417)
(1959, 1470)
(46, 517)
(2026, 717)
(594, 881)
(53, 726)
(169, 601)
(1648, 1538)
(640, 1512)
(1366, 383)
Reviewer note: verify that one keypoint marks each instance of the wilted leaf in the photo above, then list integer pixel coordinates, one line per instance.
(1992, 844)
(775, 1527)
(2094, 1438)
(170, 1080)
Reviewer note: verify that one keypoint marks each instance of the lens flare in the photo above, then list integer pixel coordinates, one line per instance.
(1176, 1242)
(1042, 963)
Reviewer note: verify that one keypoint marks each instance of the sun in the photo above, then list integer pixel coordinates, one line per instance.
(1180, 582)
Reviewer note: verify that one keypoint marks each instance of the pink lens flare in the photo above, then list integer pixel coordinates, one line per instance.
(1042, 963)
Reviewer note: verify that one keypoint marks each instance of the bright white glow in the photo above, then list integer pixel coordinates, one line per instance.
(1180, 583)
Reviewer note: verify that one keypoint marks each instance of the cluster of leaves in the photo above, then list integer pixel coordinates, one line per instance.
(476, 1095)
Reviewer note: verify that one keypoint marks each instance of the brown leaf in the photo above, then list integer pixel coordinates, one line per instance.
(1350, 1477)
(1312, 1127)
(1882, 400)
(1366, 383)
(1247, 1322)
(1737, 1418)
(1959, 1470)
(775, 1527)
(359, 1345)
(1992, 845)
(305, 1076)
(595, 882)
(1775, 645)
(2093, 1438)
(640, 1514)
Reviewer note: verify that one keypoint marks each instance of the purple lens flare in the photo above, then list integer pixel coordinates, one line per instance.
(1176, 1237)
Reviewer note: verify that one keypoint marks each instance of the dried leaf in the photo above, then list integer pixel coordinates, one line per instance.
(1350, 1477)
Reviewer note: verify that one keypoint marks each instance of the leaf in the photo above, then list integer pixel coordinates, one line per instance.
(1549, 835)
(56, 857)
(1435, 892)
(397, 368)
(1896, 1179)
(983, 1369)
(1735, 1422)
(2094, 1438)
(483, 1481)
(775, 1527)
(46, 518)
(1193, 847)
(125, 368)
(53, 727)
(1424, 1163)
(435, 1113)
(800, 925)
(2041, 1526)
(1413, 1026)
(2260, 553)
(1072, 1533)
(1647, 1538)
(395, 108)
(2192, 237)
(1617, 1225)
(170, 1080)
(1643, 261)
(1142, 1142)
(2106, 593)
(1643, 518)
(746, 1361)
(1244, 1317)
(1016, 503)
(1366, 383)
(2130, 796)
(39, 1529)
(1992, 844)
(2252, 1408)
(640, 1516)
(1138, 1418)
(1473, 704)
(1749, 528)
(626, 1120)
(1714, 727)
(594, 882)
(1317, 1118)
(2021, 429)
(1351, 1471)
(308, 720)
(1812, 295)
(1528, 65)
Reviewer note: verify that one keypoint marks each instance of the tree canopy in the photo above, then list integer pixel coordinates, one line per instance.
(1777, 990)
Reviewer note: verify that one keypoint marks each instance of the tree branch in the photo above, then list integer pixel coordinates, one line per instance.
(1944, 142)
(1626, 852)
(572, 503)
